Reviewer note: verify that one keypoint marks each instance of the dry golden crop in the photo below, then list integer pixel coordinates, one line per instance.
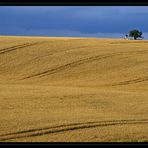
(73, 89)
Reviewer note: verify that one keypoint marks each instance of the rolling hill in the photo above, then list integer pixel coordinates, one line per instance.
(73, 89)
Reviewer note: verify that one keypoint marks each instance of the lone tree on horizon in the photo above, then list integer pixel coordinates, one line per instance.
(135, 33)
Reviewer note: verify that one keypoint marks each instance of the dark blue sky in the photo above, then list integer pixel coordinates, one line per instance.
(84, 21)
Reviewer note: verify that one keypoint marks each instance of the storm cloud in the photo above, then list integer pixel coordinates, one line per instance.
(85, 21)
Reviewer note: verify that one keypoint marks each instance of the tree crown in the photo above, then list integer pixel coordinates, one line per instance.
(135, 33)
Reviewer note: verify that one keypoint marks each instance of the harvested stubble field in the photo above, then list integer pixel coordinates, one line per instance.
(73, 90)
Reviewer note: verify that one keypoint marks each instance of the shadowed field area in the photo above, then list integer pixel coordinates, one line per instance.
(73, 89)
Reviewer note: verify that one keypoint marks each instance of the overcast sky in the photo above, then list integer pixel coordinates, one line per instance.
(81, 21)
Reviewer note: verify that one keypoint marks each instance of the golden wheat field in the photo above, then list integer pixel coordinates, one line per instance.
(73, 90)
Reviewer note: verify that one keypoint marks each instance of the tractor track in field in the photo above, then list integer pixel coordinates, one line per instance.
(77, 63)
(12, 48)
(66, 128)
(138, 80)
(68, 65)
(65, 66)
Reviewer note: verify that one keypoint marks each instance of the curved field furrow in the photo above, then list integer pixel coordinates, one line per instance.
(5, 50)
(138, 80)
(68, 127)
(69, 65)
(80, 62)
(14, 46)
